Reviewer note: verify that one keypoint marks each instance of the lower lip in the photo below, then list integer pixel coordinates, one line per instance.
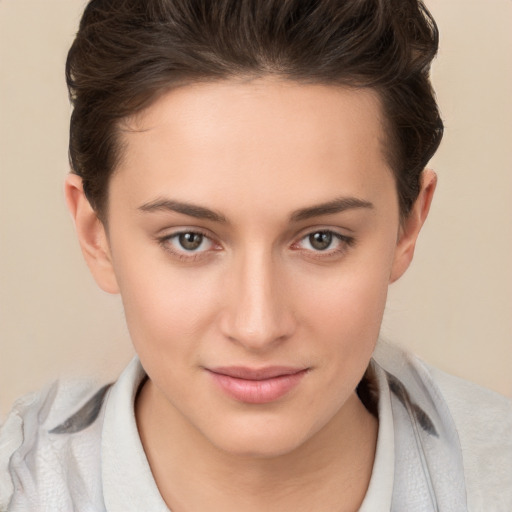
(258, 391)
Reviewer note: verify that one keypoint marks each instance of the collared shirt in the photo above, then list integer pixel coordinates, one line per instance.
(70, 448)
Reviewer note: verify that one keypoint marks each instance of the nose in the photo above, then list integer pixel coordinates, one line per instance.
(258, 314)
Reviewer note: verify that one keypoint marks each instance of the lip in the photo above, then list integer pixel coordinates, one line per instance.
(257, 385)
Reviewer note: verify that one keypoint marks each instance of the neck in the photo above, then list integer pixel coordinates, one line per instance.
(330, 471)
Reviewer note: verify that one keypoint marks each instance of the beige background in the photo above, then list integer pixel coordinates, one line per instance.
(454, 308)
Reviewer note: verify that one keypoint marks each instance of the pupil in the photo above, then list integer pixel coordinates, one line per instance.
(190, 241)
(320, 240)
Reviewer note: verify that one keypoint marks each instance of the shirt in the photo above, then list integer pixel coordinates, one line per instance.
(443, 445)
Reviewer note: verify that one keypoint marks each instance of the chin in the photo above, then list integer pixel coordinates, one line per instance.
(260, 439)
(260, 448)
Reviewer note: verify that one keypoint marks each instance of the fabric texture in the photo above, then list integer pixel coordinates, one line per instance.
(443, 445)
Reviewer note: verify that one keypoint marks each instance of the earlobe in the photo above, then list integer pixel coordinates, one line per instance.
(91, 234)
(412, 225)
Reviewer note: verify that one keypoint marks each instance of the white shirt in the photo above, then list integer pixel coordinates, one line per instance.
(443, 444)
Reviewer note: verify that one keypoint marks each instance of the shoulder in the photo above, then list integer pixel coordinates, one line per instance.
(51, 439)
(484, 424)
(482, 420)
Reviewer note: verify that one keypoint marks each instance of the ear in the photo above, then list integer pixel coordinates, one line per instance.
(91, 235)
(411, 226)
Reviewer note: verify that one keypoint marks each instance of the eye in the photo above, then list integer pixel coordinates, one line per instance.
(321, 240)
(324, 240)
(187, 244)
(190, 241)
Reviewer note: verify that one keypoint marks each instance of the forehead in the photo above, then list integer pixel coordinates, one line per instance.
(232, 138)
(309, 110)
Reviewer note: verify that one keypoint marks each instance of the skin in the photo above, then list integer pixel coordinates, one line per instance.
(257, 292)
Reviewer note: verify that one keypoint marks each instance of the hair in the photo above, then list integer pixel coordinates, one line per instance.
(128, 52)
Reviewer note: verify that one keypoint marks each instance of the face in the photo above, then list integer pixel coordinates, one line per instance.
(252, 234)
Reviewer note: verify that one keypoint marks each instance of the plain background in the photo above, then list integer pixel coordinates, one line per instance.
(453, 308)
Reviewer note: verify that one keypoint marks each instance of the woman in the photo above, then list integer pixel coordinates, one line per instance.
(250, 177)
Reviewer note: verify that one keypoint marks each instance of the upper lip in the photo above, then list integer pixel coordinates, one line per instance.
(244, 372)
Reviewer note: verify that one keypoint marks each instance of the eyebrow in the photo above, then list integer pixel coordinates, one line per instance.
(331, 207)
(200, 212)
(192, 210)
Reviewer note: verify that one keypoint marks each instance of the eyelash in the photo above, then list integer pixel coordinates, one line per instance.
(183, 254)
(344, 242)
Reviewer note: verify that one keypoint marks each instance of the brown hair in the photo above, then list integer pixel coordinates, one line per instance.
(127, 52)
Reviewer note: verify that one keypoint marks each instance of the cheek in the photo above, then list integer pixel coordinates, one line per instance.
(350, 300)
(347, 325)
(166, 308)
(342, 311)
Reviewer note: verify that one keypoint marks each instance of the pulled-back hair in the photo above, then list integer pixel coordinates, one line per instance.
(127, 52)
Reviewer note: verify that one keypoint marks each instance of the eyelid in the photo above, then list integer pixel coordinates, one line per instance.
(336, 231)
(164, 241)
(345, 241)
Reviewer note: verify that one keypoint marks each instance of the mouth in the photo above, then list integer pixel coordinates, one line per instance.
(257, 385)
